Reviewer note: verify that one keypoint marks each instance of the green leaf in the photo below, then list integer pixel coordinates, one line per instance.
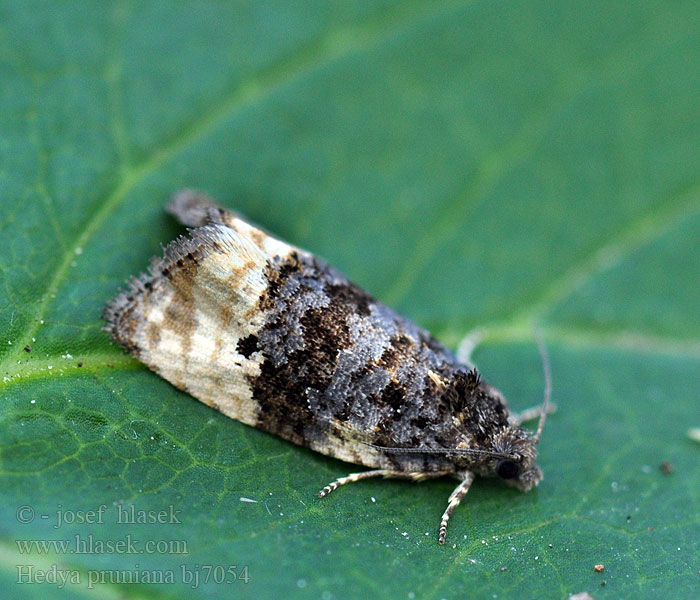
(474, 164)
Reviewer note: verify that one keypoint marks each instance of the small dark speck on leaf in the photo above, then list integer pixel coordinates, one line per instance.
(666, 467)
(80, 364)
(27, 349)
(602, 584)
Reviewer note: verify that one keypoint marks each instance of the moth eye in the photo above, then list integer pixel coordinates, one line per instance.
(507, 469)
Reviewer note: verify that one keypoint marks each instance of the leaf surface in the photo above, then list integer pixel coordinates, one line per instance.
(473, 164)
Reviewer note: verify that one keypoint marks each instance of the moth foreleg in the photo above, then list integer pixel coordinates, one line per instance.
(453, 502)
(415, 476)
(529, 414)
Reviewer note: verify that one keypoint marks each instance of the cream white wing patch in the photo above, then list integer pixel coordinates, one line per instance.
(190, 316)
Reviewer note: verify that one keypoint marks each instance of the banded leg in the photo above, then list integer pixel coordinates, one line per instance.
(415, 476)
(530, 413)
(453, 502)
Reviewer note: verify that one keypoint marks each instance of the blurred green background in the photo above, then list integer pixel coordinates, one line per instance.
(475, 165)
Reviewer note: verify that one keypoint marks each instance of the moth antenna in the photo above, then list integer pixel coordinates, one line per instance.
(547, 371)
(475, 451)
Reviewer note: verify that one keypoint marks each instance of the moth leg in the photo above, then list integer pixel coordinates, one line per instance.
(415, 476)
(530, 413)
(453, 502)
(467, 346)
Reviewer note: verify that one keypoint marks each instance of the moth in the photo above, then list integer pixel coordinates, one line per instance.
(274, 337)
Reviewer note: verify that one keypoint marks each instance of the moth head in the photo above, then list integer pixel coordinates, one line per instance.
(514, 459)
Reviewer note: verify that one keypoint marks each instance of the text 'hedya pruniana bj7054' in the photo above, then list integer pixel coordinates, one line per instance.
(274, 337)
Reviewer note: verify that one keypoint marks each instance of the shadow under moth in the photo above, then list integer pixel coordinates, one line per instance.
(272, 336)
